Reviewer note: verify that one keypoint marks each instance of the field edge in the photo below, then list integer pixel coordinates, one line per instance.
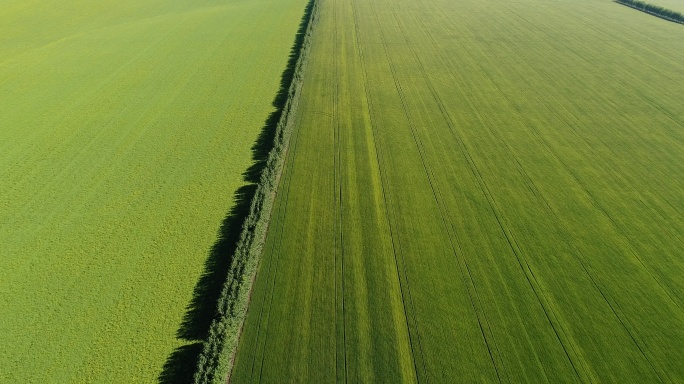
(216, 358)
(654, 10)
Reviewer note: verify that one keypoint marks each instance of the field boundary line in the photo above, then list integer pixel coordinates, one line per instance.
(216, 360)
(278, 233)
(464, 269)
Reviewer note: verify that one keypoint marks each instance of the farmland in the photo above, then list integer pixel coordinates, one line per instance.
(478, 191)
(125, 129)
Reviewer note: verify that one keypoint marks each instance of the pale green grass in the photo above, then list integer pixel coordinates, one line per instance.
(125, 127)
(478, 191)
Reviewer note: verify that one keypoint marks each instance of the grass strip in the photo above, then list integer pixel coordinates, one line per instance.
(216, 359)
(654, 10)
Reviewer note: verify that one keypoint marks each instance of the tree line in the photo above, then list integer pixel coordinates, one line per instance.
(655, 10)
(216, 359)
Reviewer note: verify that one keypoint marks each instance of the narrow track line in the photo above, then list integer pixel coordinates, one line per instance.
(524, 265)
(395, 248)
(511, 241)
(622, 322)
(457, 250)
(468, 282)
(339, 233)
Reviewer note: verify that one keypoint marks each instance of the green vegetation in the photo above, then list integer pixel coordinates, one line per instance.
(655, 10)
(442, 190)
(216, 359)
(478, 191)
(125, 128)
(675, 5)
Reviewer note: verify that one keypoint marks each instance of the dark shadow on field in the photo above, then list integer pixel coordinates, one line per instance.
(181, 364)
(176, 369)
(200, 312)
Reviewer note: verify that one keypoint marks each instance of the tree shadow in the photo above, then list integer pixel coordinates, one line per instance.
(180, 366)
(200, 312)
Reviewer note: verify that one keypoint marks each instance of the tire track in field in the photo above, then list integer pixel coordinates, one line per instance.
(550, 314)
(610, 302)
(396, 248)
(339, 219)
(442, 109)
(463, 267)
(529, 274)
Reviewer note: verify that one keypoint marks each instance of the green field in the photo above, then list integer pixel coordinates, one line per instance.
(478, 191)
(125, 128)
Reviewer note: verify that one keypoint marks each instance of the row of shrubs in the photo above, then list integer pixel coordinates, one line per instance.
(216, 359)
(655, 10)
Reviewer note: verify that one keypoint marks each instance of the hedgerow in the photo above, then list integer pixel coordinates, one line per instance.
(655, 10)
(216, 359)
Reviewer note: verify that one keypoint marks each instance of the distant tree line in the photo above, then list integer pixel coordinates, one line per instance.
(216, 359)
(655, 10)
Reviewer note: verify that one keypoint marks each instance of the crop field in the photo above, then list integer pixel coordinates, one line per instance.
(125, 129)
(478, 191)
